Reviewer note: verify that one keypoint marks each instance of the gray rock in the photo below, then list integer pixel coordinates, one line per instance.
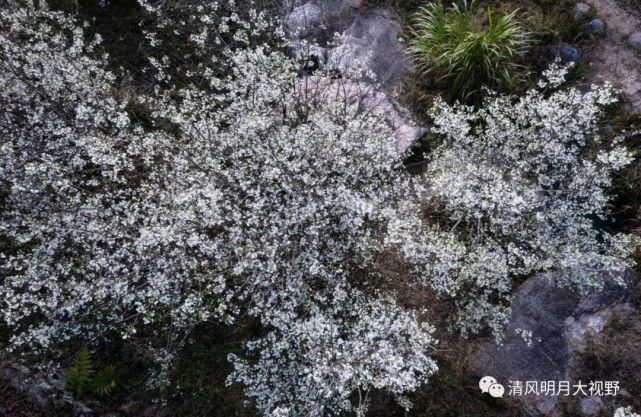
(314, 53)
(304, 20)
(581, 10)
(406, 131)
(371, 43)
(596, 26)
(546, 405)
(46, 389)
(131, 407)
(561, 321)
(624, 393)
(155, 410)
(363, 96)
(578, 331)
(635, 41)
(590, 406)
(368, 44)
(349, 38)
(568, 53)
(318, 20)
(289, 5)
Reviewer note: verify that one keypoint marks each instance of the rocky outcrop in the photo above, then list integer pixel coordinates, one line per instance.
(561, 321)
(363, 95)
(363, 43)
(318, 20)
(47, 392)
(346, 36)
(45, 389)
(371, 42)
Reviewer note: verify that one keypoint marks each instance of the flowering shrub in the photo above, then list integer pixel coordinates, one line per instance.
(313, 365)
(252, 193)
(249, 191)
(523, 189)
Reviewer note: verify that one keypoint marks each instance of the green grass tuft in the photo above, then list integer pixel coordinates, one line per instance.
(466, 50)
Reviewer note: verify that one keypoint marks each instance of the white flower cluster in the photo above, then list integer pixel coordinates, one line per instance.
(251, 193)
(354, 345)
(625, 412)
(522, 186)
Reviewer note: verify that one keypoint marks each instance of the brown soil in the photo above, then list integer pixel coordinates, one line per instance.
(612, 59)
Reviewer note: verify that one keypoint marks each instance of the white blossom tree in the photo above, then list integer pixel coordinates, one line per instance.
(255, 194)
(246, 190)
(522, 187)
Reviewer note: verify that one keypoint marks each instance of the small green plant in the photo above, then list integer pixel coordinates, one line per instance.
(80, 373)
(82, 378)
(103, 382)
(466, 50)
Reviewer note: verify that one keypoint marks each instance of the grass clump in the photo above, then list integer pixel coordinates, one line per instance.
(467, 50)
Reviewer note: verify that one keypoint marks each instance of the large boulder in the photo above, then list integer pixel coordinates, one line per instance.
(371, 44)
(366, 97)
(561, 321)
(342, 35)
(318, 21)
(47, 389)
(362, 44)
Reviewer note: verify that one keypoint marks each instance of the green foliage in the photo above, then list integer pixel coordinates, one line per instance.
(467, 50)
(103, 382)
(79, 374)
(550, 23)
(82, 377)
